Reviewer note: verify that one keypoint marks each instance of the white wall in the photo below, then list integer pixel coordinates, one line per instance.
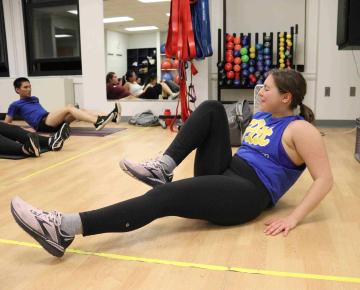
(336, 69)
(143, 40)
(116, 52)
(15, 37)
(92, 55)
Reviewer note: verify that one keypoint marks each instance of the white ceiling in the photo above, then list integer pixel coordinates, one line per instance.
(143, 14)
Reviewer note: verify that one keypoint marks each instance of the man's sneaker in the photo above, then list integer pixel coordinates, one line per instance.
(150, 172)
(43, 226)
(102, 121)
(117, 113)
(56, 141)
(32, 146)
(174, 96)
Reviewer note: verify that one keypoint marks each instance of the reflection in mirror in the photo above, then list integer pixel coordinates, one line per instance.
(136, 65)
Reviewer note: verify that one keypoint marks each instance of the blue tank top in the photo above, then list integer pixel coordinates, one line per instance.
(262, 149)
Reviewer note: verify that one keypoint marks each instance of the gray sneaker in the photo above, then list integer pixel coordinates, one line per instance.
(43, 226)
(150, 172)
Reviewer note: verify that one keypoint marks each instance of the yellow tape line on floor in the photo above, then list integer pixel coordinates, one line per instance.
(70, 159)
(196, 265)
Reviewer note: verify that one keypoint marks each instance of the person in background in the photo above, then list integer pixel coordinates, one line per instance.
(30, 109)
(151, 89)
(114, 89)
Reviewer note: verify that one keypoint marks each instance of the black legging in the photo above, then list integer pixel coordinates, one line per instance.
(151, 92)
(224, 191)
(13, 137)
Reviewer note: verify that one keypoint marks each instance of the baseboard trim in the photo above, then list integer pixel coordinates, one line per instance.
(336, 123)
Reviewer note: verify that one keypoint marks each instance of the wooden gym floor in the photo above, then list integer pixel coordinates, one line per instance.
(85, 175)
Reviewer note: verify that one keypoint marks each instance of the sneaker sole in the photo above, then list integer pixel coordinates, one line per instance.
(145, 180)
(35, 145)
(118, 114)
(59, 141)
(110, 117)
(51, 247)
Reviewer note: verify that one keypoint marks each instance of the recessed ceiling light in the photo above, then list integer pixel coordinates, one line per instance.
(167, 14)
(118, 19)
(73, 12)
(141, 28)
(153, 1)
(62, 35)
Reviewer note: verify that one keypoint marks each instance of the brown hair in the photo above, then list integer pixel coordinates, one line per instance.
(109, 76)
(291, 81)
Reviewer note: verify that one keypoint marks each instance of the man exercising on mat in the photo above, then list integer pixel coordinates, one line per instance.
(30, 109)
(226, 190)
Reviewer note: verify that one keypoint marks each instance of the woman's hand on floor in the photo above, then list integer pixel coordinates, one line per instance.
(277, 225)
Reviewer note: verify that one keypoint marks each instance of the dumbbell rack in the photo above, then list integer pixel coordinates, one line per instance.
(222, 56)
(292, 33)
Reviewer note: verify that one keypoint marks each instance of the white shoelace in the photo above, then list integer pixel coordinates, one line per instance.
(53, 216)
(153, 163)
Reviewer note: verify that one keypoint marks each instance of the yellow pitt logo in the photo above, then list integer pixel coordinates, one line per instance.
(257, 132)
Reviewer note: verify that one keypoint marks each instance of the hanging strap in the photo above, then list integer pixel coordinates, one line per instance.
(191, 89)
(180, 42)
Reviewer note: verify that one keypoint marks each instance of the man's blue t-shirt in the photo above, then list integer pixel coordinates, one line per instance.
(29, 109)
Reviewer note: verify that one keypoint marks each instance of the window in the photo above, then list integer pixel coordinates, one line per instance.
(4, 67)
(52, 37)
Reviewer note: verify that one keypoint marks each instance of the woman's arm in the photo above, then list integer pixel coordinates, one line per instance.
(310, 147)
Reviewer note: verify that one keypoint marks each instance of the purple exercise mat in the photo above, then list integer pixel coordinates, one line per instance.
(86, 131)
